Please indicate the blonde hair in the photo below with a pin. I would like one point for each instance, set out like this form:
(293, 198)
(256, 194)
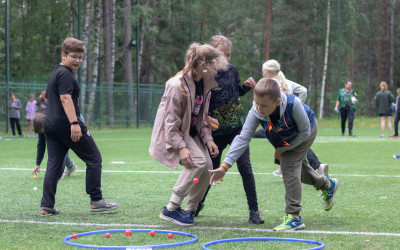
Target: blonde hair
(196, 54)
(218, 40)
(267, 87)
(383, 86)
(274, 68)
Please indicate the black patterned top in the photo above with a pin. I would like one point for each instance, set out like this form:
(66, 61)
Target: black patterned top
(225, 103)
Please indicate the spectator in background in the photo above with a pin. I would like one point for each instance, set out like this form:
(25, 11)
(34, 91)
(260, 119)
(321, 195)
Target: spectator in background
(383, 101)
(30, 109)
(397, 117)
(346, 100)
(14, 109)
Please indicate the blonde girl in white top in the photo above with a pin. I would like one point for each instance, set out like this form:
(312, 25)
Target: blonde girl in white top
(272, 69)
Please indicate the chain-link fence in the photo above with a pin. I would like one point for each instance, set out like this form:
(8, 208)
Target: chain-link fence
(145, 102)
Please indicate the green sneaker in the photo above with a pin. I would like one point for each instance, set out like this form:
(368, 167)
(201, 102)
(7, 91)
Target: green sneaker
(290, 223)
(329, 195)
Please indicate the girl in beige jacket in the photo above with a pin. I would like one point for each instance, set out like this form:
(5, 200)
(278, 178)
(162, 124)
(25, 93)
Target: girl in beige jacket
(181, 134)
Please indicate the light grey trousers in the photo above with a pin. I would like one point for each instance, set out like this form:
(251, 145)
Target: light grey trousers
(185, 186)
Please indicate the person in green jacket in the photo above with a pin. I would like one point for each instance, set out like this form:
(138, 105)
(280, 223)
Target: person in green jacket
(346, 100)
(383, 101)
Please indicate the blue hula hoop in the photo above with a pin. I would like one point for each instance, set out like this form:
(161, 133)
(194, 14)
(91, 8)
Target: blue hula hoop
(321, 245)
(195, 238)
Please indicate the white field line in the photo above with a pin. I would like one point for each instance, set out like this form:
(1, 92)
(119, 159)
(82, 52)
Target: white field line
(178, 172)
(320, 139)
(197, 227)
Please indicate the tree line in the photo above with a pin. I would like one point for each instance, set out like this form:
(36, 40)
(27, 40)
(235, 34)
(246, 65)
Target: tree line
(320, 43)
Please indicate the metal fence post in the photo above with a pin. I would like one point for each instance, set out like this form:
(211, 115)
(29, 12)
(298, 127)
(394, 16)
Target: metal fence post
(100, 94)
(7, 60)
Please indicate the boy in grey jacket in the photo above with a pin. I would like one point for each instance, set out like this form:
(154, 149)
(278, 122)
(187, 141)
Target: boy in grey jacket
(291, 127)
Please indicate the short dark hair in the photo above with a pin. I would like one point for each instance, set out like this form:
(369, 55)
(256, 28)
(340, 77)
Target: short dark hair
(268, 87)
(72, 45)
(38, 123)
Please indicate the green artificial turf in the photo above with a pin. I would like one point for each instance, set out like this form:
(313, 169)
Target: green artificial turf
(365, 215)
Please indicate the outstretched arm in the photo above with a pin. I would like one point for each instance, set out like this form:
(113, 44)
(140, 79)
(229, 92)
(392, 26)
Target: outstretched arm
(238, 146)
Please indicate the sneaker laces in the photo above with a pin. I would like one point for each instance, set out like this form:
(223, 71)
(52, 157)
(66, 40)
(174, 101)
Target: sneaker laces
(257, 213)
(179, 209)
(184, 213)
(286, 219)
(325, 195)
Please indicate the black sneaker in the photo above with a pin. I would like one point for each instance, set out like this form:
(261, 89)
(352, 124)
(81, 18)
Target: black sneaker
(199, 208)
(177, 216)
(255, 218)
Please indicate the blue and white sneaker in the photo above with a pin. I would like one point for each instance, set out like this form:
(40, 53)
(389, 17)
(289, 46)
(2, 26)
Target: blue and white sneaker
(290, 223)
(177, 216)
(329, 195)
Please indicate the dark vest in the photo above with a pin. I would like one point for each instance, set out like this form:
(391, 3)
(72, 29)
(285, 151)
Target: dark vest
(286, 129)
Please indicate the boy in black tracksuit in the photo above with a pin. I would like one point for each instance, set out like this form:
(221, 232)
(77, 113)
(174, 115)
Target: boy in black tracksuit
(63, 131)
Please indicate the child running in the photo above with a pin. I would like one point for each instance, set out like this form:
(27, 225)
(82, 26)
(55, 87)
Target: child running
(291, 128)
(226, 111)
(180, 132)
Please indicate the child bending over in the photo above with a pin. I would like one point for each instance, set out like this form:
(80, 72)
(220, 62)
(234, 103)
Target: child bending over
(291, 128)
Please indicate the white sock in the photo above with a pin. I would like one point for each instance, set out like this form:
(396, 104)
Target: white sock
(171, 207)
